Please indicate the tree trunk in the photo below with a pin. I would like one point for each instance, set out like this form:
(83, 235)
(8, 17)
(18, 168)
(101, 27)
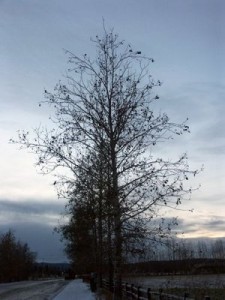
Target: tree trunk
(117, 228)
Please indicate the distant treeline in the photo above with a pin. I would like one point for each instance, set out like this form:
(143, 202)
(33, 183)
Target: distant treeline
(16, 259)
(165, 267)
(186, 266)
(45, 269)
(18, 262)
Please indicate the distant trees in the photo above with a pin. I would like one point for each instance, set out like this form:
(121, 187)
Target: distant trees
(218, 249)
(16, 259)
(105, 135)
(186, 249)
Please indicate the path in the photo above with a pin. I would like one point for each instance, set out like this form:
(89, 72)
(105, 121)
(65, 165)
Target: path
(76, 290)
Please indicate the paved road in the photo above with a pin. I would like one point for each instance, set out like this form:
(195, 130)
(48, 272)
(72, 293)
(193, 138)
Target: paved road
(31, 290)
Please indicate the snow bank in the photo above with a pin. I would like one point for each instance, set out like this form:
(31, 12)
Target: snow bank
(76, 290)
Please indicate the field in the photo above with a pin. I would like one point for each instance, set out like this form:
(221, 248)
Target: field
(197, 286)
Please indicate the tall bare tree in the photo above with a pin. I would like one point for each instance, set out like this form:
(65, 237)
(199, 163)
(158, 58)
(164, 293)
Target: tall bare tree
(105, 105)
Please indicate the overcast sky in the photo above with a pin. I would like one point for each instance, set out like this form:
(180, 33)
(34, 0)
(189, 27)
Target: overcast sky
(187, 41)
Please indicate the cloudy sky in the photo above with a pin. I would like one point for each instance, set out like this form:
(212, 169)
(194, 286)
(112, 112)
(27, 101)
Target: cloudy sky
(187, 41)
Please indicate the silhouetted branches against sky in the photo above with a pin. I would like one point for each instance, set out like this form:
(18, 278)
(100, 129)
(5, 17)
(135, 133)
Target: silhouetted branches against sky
(105, 107)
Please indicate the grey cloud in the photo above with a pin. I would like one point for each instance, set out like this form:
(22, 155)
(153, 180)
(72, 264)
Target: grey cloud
(193, 225)
(31, 212)
(195, 100)
(202, 103)
(214, 150)
(219, 198)
(33, 222)
(216, 224)
(40, 238)
(31, 207)
(186, 227)
(213, 223)
(212, 132)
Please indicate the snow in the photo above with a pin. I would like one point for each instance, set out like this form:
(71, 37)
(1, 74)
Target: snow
(181, 281)
(76, 290)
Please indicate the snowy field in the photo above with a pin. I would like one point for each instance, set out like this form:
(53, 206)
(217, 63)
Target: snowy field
(46, 290)
(180, 281)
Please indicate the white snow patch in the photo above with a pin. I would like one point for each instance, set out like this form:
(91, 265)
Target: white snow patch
(76, 290)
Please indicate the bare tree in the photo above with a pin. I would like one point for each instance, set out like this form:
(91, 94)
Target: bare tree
(218, 249)
(202, 249)
(105, 105)
(90, 193)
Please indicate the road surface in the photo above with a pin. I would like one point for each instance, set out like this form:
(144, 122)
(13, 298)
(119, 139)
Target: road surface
(32, 290)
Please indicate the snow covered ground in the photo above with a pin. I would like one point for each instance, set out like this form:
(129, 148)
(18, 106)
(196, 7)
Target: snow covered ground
(181, 281)
(46, 290)
(76, 290)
